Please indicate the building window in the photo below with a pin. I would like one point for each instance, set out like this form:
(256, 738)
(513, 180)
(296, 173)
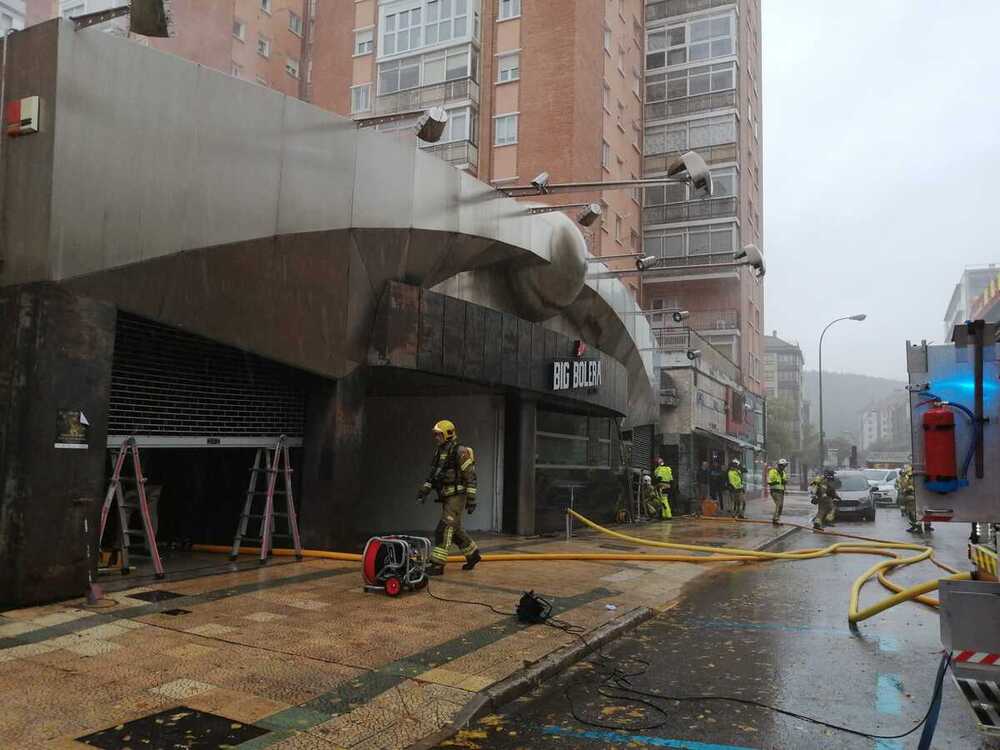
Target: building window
(618, 228)
(724, 185)
(292, 67)
(509, 9)
(607, 40)
(74, 10)
(637, 82)
(401, 31)
(263, 46)
(712, 131)
(361, 98)
(506, 130)
(261, 79)
(636, 135)
(364, 42)
(697, 40)
(679, 84)
(240, 30)
(294, 23)
(678, 243)
(605, 155)
(508, 68)
(426, 70)
(265, 5)
(606, 98)
(621, 61)
(236, 70)
(446, 20)
(460, 127)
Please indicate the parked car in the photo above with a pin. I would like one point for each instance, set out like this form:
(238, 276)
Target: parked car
(856, 498)
(883, 483)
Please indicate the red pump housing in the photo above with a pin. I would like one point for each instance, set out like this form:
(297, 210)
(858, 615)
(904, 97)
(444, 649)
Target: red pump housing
(939, 444)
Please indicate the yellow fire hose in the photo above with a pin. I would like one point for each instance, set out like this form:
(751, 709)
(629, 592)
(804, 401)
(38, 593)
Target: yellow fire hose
(865, 546)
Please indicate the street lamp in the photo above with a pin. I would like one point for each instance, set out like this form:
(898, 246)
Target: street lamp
(822, 446)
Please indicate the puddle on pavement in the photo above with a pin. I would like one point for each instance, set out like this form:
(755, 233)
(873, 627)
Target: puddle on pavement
(178, 727)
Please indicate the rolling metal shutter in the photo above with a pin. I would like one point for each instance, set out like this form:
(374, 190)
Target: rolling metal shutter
(171, 388)
(642, 447)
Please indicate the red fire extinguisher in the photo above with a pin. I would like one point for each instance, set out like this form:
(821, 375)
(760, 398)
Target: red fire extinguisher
(939, 444)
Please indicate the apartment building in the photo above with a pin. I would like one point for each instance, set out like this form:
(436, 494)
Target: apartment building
(263, 41)
(703, 92)
(529, 87)
(783, 363)
(976, 295)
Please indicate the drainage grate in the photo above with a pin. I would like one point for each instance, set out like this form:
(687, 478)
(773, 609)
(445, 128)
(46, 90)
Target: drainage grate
(155, 596)
(179, 727)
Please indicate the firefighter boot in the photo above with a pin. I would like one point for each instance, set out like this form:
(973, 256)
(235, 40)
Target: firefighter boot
(472, 560)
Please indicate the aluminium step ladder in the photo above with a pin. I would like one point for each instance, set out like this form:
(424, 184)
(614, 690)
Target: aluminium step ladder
(129, 449)
(269, 462)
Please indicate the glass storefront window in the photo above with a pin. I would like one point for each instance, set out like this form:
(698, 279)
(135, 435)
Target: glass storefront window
(561, 423)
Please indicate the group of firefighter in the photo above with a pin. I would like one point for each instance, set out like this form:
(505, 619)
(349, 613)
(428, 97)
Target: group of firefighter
(453, 478)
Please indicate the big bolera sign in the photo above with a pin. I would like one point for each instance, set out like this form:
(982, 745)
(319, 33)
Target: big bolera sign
(580, 373)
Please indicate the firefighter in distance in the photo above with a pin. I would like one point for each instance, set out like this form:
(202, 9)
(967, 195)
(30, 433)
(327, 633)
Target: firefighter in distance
(777, 479)
(453, 478)
(824, 489)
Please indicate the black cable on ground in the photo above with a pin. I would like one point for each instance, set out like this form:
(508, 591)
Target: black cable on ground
(618, 679)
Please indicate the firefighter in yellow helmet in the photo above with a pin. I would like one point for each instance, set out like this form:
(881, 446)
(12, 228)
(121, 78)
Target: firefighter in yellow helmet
(453, 477)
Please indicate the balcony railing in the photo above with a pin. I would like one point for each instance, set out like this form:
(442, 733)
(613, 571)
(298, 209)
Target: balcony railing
(458, 154)
(714, 320)
(417, 100)
(690, 105)
(678, 341)
(711, 154)
(710, 208)
(676, 266)
(666, 8)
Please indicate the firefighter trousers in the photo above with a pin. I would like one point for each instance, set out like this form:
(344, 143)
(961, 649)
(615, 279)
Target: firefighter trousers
(449, 530)
(779, 502)
(826, 512)
(737, 503)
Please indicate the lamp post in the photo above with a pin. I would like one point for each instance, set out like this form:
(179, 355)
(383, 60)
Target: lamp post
(822, 446)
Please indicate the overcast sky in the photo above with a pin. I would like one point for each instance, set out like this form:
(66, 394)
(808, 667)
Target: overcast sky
(881, 169)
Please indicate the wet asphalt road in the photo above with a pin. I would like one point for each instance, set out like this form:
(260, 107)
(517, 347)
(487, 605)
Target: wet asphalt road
(775, 633)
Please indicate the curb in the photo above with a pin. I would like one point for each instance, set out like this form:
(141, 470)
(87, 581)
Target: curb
(525, 680)
(775, 540)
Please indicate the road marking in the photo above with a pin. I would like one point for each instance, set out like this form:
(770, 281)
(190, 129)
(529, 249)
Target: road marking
(638, 739)
(888, 692)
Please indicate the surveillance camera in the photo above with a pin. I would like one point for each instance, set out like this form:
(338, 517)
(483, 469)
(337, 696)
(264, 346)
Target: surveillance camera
(589, 215)
(430, 126)
(693, 354)
(680, 315)
(752, 256)
(646, 262)
(699, 176)
(541, 183)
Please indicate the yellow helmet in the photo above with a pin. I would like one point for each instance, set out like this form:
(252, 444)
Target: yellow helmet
(446, 428)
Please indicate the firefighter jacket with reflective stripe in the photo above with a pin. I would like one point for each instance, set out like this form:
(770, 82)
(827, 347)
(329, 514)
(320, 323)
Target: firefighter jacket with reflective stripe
(453, 471)
(663, 474)
(905, 484)
(735, 479)
(777, 479)
(823, 488)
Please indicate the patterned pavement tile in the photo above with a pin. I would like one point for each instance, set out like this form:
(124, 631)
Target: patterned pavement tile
(212, 630)
(104, 632)
(342, 731)
(9, 628)
(265, 617)
(191, 651)
(58, 618)
(181, 689)
(29, 649)
(93, 647)
(242, 707)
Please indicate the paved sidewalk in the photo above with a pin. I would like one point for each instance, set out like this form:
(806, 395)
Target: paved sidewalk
(294, 655)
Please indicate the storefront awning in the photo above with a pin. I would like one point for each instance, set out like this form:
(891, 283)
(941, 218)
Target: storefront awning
(728, 438)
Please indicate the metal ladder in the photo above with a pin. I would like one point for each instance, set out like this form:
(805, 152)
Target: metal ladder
(274, 462)
(131, 450)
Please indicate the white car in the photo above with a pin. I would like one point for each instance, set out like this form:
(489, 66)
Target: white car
(883, 484)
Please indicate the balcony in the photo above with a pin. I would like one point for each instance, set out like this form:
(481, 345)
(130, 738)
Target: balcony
(674, 345)
(674, 269)
(418, 100)
(657, 11)
(709, 321)
(696, 210)
(690, 105)
(458, 154)
(658, 163)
